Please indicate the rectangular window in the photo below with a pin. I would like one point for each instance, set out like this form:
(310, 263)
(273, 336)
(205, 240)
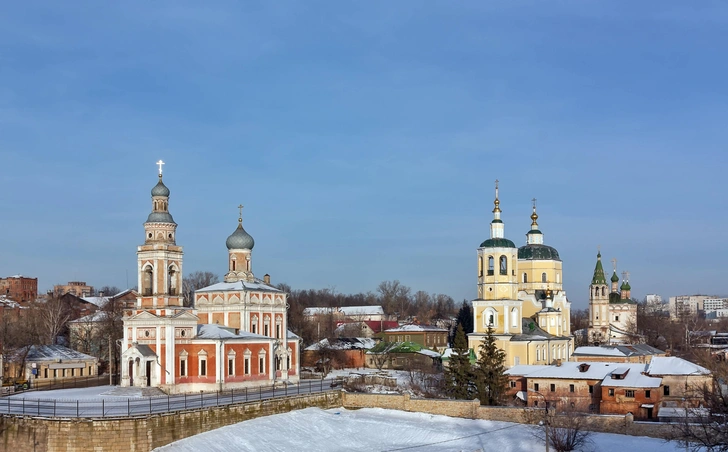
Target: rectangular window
(261, 365)
(552, 387)
(666, 390)
(647, 394)
(247, 366)
(535, 386)
(278, 331)
(182, 367)
(591, 389)
(611, 391)
(203, 367)
(45, 373)
(629, 393)
(571, 388)
(265, 330)
(231, 367)
(81, 369)
(254, 328)
(513, 384)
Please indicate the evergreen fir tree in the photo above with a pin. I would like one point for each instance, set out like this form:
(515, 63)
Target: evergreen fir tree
(458, 375)
(490, 379)
(464, 318)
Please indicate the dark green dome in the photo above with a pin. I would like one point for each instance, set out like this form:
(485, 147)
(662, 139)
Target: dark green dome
(498, 243)
(160, 189)
(535, 252)
(615, 278)
(160, 217)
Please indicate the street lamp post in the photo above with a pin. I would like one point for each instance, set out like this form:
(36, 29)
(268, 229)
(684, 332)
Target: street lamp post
(545, 421)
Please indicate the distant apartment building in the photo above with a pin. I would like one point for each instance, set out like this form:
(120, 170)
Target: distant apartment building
(77, 288)
(687, 305)
(19, 288)
(714, 304)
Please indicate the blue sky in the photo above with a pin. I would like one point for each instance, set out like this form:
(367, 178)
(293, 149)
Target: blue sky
(364, 138)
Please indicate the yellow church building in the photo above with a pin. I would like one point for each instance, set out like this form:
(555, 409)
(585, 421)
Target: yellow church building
(521, 297)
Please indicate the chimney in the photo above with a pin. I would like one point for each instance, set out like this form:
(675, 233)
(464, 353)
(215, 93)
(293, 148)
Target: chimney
(558, 363)
(266, 278)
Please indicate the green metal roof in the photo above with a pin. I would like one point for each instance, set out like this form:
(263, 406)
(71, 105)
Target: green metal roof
(534, 231)
(538, 252)
(599, 277)
(498, 243)
(615, 278)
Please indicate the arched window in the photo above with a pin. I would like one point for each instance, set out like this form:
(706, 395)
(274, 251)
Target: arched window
(503, 265)
(480, 266)
(525, 277)
(558, 278)
(147, 281)
(491, 266)
(514, 317)
(604, 291)
(543, 277)
(490, 318)
(172, 280)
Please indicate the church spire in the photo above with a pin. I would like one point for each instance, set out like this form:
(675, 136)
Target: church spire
(534, 236)
(496, 226)
(599, 277)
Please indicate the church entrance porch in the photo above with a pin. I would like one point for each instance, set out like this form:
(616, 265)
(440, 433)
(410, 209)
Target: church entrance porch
(139, 370)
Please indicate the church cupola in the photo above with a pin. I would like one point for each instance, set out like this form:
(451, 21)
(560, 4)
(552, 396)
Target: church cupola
(534, 236)
(625, 289)
(160, 226)
(496, 226)
(240, 248)
(599, 277)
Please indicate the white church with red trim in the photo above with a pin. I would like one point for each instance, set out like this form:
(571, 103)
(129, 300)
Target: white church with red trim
(236, 334)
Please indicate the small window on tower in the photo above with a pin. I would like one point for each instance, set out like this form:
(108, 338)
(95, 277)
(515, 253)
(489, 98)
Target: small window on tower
(503, 265)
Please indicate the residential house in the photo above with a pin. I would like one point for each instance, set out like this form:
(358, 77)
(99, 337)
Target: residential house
(44, 363)
(403, 356)
(350, 352)
(628, 389)
(425, 335)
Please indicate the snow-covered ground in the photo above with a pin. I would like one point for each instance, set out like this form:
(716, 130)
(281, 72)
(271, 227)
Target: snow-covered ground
(376, 429)
(93, 393)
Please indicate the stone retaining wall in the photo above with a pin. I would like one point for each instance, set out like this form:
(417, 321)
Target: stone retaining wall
(143, 434)
(471, 409)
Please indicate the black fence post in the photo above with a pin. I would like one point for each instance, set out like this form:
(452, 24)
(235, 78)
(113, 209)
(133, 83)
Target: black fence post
(103, 411)
(128, 407)
(150, 405)
(54, 408)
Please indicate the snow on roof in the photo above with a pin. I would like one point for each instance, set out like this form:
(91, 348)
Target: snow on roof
(416, 328)
(672, 365)
(98, 301)
(632, 377)
(572, 370)
(8, 303)
(239, 285)
(209, 331)
(344, 343)
(51, 352)
(524, 369)
(345, 310)
(290, 335)
(430, 353)
(598, 351)
(98, 316)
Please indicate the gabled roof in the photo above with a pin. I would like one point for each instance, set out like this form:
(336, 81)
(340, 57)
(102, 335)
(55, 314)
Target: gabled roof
(217, 332)
(236, 286)
(672, 365)
(380, 325)
(291, 336)
(624, 350)
(52, 352)
(344, 343)
(568, 370)
(97, 301)
(403, 347)
(416, 329)
(345, 310)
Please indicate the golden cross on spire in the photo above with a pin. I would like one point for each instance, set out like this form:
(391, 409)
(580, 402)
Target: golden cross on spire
(160, 163)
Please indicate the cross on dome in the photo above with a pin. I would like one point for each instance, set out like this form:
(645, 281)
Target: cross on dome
(240, 218)
(160, 163)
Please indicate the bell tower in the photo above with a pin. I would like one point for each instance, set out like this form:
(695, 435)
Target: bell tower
(159, 259)
(598, 305)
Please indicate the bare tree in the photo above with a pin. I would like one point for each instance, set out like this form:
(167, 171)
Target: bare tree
(379, 354)
(564, 432)
(51, 318)
(108, 291)
(395, 297)
(196, 280)
(329, 357)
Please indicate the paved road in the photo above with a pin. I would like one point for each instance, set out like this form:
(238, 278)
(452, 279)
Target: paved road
(139, 406)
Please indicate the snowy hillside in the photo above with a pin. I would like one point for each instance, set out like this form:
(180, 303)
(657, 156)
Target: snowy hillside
(375, 429)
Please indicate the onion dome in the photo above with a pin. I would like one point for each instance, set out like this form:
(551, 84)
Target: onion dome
(240, 240)
(615, 278)
(160, 189)
(625, 286)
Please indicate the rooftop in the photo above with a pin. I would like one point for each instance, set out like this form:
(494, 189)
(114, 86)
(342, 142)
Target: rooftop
(257, 285)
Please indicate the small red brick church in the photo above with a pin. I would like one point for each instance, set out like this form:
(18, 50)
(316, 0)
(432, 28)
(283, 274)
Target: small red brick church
(236, 334)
